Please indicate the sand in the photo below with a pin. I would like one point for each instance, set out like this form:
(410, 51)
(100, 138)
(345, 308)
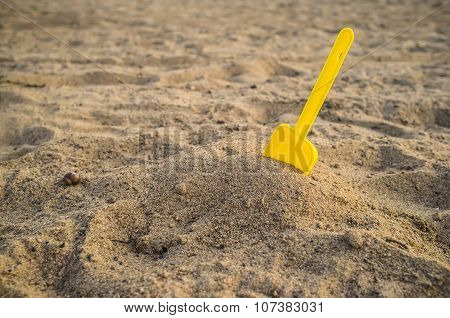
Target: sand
(175, 199)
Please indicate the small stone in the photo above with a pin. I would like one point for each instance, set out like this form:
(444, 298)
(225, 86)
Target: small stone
(183, 239)
(253, 86)
(181, 188)
(110, 200)
(219, 246)
(71, 178)
(263, 201)
(359, 162)
(335, 165)
(353, 239)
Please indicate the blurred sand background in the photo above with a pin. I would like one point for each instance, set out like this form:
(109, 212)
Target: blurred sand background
(175, 198)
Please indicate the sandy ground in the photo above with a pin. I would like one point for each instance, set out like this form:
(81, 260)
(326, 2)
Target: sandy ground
(175, 198)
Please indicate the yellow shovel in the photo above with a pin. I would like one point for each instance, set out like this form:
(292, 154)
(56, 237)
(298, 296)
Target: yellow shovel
(289, 144)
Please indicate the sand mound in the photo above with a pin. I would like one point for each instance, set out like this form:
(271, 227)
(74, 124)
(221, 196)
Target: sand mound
(175, 198)
(233, 225)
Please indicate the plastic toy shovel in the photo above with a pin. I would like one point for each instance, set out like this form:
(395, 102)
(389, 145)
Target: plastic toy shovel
(289, 144)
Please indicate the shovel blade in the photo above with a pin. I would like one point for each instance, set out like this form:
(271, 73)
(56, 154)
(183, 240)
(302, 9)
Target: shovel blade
(285, 145)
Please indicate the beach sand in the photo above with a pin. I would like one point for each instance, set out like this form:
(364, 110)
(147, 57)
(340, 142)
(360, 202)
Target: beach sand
(175, 199)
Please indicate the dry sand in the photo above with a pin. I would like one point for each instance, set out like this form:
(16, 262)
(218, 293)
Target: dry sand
(175, 198)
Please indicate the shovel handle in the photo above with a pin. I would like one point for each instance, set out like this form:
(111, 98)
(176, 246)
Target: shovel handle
(326, 79)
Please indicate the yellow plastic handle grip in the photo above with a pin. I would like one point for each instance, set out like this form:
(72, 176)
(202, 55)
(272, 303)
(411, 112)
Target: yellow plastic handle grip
(326, 79)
